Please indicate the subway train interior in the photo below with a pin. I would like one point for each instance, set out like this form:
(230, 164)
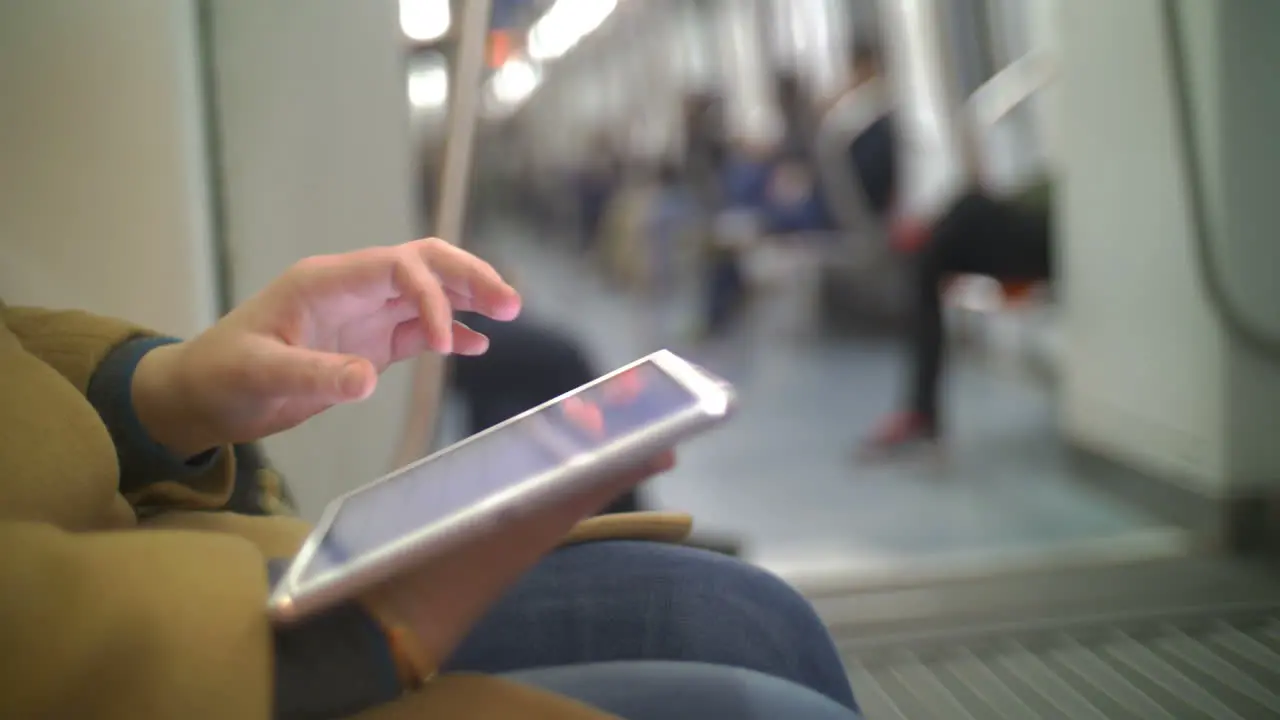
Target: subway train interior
(993, 281)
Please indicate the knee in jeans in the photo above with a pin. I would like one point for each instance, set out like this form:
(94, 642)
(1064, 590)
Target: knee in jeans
(742, 587)
(704, 606)
(635, 600)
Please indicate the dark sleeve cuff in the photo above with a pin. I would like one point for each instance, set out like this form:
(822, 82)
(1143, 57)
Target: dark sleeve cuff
(143, 461)
(333, 665)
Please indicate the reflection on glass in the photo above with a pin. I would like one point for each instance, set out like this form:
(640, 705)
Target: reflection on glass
(578, 426)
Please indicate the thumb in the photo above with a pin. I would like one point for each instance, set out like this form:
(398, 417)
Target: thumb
(288, 371)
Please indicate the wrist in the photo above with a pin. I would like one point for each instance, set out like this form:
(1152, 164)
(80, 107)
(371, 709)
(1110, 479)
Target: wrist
(335, 664)
(412, 668)
(164, 404)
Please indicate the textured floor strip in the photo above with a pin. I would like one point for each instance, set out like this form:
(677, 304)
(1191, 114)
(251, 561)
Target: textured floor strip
(1211, 667)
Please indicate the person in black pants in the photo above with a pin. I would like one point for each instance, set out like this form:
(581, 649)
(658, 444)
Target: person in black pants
(1007, 239)
(527, 364)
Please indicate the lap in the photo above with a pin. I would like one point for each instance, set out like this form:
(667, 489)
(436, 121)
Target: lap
(624, 601)
(684, 691)
(615, 601)
(463, 697)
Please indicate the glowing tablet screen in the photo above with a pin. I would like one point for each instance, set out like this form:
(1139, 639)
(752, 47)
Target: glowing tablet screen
(581, 423)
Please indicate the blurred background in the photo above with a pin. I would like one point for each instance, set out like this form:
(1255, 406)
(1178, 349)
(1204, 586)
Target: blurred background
(793, 193)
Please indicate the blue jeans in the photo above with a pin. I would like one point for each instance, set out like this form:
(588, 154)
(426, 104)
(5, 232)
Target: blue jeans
(658, 690)
(624, 601)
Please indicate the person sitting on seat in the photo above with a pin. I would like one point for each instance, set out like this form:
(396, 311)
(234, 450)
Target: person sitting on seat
(128, 591)
(745, 181)
(793, 203)
(1008, 239)
(527, 364)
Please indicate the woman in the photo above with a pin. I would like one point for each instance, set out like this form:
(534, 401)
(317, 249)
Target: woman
(163, 617)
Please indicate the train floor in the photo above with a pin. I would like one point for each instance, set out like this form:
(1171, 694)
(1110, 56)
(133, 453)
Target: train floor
(782, 476)
(1183, 639)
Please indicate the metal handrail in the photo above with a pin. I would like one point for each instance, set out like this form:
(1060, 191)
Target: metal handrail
(451, 208)
(1008, 89)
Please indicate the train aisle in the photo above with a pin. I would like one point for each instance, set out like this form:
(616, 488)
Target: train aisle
(782, 475)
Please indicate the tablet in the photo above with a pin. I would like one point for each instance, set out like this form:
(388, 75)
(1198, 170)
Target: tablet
(465, 491)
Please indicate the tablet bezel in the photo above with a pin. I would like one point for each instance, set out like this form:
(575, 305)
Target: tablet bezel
(291, 600)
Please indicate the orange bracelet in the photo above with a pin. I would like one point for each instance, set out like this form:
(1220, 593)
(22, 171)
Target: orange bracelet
(404, 652)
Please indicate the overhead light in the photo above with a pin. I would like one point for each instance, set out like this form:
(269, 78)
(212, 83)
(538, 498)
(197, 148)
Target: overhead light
(514, 82)
(429, 87)
(425, 20)
(565, 25)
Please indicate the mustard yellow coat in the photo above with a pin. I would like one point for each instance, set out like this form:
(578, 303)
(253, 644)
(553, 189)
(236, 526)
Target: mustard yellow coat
(105, 617)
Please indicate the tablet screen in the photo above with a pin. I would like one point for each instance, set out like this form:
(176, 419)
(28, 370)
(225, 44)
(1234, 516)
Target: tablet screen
(583, 422)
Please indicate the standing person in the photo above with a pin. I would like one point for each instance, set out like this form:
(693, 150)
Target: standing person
(708, 166)
(705, 150)
(858, 148)
(859, 161)
(597, 184)
(1008, 239)
(796, 108)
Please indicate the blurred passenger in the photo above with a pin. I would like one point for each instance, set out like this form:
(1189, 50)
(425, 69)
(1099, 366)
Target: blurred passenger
(527, 364)
(705, 150)
(859, 161)
(707, 162)
(858, 150)
(793, 202)
(799, 121)
(1008, 239)
(748, 170)
(597, 184)
(745, 183)
(675, 217)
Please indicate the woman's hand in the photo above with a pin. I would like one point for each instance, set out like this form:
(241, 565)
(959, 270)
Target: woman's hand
(318, 336)
(439, 603)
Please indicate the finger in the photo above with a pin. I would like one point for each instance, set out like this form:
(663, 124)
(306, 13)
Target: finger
(293, 372)
(467, 341)
(651, 468)
(363, 275)
(465, 302)
(662, 463)
(626, 481)
(408, 340)
(472, 282)
(435, 313)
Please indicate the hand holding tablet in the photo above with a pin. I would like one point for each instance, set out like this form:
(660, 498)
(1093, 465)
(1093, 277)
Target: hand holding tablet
(436, 604)
(432, 545)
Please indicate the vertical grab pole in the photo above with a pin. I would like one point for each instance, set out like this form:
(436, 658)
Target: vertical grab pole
(960, 122)
(451, 209)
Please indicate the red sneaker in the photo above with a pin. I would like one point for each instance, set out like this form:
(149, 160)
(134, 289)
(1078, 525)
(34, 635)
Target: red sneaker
(898, 431)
